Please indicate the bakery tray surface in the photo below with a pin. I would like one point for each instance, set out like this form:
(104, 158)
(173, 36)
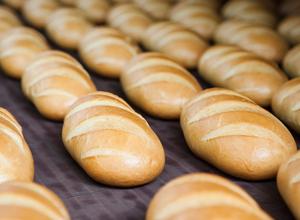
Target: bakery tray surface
(88, 200)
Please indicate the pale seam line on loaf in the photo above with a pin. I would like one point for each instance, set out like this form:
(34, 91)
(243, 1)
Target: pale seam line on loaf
(104, 122)
(58, 21)
(8, 199)
(177, 36)
(224, 107)
(296, 106)
(153, 62)
(17, 51)
(163, 29)
(221, 92)
(14, 136)
(243, 129)
(203, 200)
(102, 60)
(242, 34)
(12, 122)
(4, 161)
(295, 179)
(286, 92)
(98, 103)
(54, 92)
(106, 42)
(23, 37)
(4, 178)
(56, 72)
(168, 77)
(122, 19)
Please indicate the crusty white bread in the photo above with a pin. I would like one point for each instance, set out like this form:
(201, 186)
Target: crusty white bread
(18, 47)
(289, 28)
(244, 72)
(54, 81)
(236, 135)
(67, 26)
(30, 201)
(16, 161)
(286, 103)
(176, 41)
(203, 196)
(291, 62)
(198, 17)
(129, 19)
(259, 39)
(36, 12)
(111, 142)
(106, 51)
(288, 183)
(158, 85)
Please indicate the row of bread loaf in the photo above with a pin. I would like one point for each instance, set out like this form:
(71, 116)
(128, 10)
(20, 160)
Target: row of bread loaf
(96, 152)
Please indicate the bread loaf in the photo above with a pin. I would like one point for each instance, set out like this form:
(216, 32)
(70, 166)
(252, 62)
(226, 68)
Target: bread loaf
(203, 196)
(290, 29)
(15, 156)
(197, 17)
(16, 4)
(129, 19)
(288, 183)
(255, 38)
(66, 27)
(95, 10)
(36, 12)
(241, 71)
(54, 81)
(172, 39)
(158, 9)
(291, 62)
(158, 85)
(106, 51)
(286, 103)
(18, 47)
(8, 20)
(253, 11)
(111, 142)
(234, 134)
(30, 201)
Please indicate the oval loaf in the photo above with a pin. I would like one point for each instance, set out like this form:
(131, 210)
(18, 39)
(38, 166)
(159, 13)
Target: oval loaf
(259, 39)
(286, 103)
(203, 196)
(67, 26)
(158, 85)
(16, 159)
(106, 51)
(241, 71)
(36, 12)
(291, 62)
(54, 81)
(197, 17)
(288, 180)
(18, 47)
(129, 19)
(174, 40)
(30, 201)
(234, 134)
(111, 142)
(158, 9)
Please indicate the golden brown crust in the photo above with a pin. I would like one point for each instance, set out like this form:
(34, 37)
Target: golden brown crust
(111, 142)
(241, 71)
(106, 51)
(129, 19)
(214, 4)
(255, 38)
(16, 161)
(172, 39)
(158, 9)
(288, 183)
(95, 10)
(30, 201)
(18, 47)
(8, 20)
(289, 28)
(286, 103)
(67, 26)
(253, 11)
(197, 17)
(291, 62)
(226, 129)
(203, 196)
(158, 85)
(54, 81)
(36, 12)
